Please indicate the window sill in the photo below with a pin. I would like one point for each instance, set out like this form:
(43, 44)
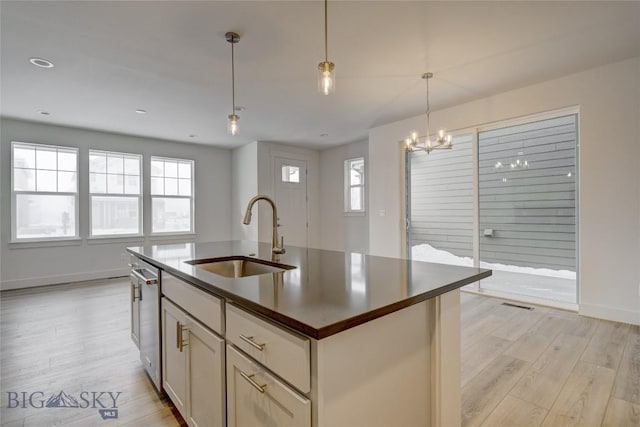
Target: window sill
(172, 236)
(105, 240)
(363, 213)
(28, 244)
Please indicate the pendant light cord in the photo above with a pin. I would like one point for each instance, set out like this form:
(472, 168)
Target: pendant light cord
(326, 55)
(233, 82)
(428, 112)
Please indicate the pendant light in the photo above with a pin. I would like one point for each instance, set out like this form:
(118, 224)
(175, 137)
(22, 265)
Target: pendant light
(443, 140)
(233, 118)
(326, 69)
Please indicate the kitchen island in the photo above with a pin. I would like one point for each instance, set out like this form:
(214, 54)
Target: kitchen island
(335, 338)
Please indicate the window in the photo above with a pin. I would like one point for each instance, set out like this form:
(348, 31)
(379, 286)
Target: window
(115, 192)
(354, 185)
(290, 174)
(44, 191)
(171, 195)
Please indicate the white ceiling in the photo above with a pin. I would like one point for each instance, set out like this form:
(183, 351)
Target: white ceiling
(171, 59)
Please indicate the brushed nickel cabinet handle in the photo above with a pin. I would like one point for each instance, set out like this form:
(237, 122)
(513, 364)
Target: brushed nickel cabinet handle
(178, 335)
(255, 385)
(133, 292)
(180, 344)
(252, 343)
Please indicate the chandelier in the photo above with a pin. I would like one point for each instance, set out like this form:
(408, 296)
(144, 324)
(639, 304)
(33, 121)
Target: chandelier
(443, 140)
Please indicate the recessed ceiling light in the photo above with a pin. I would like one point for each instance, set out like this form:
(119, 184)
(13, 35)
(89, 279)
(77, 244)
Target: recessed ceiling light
(140, 111)
(193, 135)
(42, 63)
(324, 135)
(44, 113)
(240, 108)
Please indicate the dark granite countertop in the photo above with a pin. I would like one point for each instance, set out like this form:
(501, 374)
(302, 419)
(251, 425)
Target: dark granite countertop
(328, 291)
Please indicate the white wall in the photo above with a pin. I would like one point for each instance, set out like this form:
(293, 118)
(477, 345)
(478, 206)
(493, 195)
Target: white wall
(25, 265)
(609, 179)
(245, 186)
(341, 231)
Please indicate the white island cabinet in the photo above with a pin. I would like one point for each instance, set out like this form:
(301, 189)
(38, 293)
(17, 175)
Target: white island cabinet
(256, 397)
(320, 344)
(193, 357)
(379, 373)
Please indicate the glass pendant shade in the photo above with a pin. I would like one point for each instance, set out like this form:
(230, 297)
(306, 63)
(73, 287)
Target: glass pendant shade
(326, 78)
(232, 124)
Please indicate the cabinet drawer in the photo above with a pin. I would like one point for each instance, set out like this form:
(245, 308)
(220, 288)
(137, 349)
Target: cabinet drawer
(285, 353)
(256, 398)
(199, 304)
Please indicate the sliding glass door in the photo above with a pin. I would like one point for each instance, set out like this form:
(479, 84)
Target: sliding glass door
(440, 204)
(527, 192)
(506, 202)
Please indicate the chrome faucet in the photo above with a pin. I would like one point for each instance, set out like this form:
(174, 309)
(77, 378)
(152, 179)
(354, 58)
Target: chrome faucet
(277, 248)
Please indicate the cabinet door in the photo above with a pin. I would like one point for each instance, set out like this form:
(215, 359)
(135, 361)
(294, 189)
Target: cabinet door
(174, 356)
(206, 377)
(135, 311)
(256, 398)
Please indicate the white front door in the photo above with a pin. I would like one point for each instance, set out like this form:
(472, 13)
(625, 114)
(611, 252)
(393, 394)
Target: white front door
(290, 185)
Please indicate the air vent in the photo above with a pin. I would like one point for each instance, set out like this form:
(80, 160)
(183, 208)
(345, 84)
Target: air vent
(524, 307)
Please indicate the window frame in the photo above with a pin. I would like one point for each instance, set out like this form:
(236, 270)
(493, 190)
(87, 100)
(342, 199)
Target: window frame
(348, 209)
(15, 193)
(139, 196)
(152, 196)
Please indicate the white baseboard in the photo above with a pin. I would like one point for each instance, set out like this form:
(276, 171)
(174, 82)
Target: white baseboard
(522, 299)
(589, 310)
(31, 282)
(610, 313)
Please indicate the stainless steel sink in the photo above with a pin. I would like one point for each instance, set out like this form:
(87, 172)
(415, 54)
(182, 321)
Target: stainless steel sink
(239, 266)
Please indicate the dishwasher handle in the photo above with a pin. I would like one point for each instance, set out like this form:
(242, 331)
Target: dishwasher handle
(152, 279)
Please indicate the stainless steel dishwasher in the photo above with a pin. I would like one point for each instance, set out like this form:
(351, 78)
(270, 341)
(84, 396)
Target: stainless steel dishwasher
(148, 278)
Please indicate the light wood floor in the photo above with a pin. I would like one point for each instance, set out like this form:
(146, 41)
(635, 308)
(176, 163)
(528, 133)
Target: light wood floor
(74, 338)
(542, 367)
(546, 367)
